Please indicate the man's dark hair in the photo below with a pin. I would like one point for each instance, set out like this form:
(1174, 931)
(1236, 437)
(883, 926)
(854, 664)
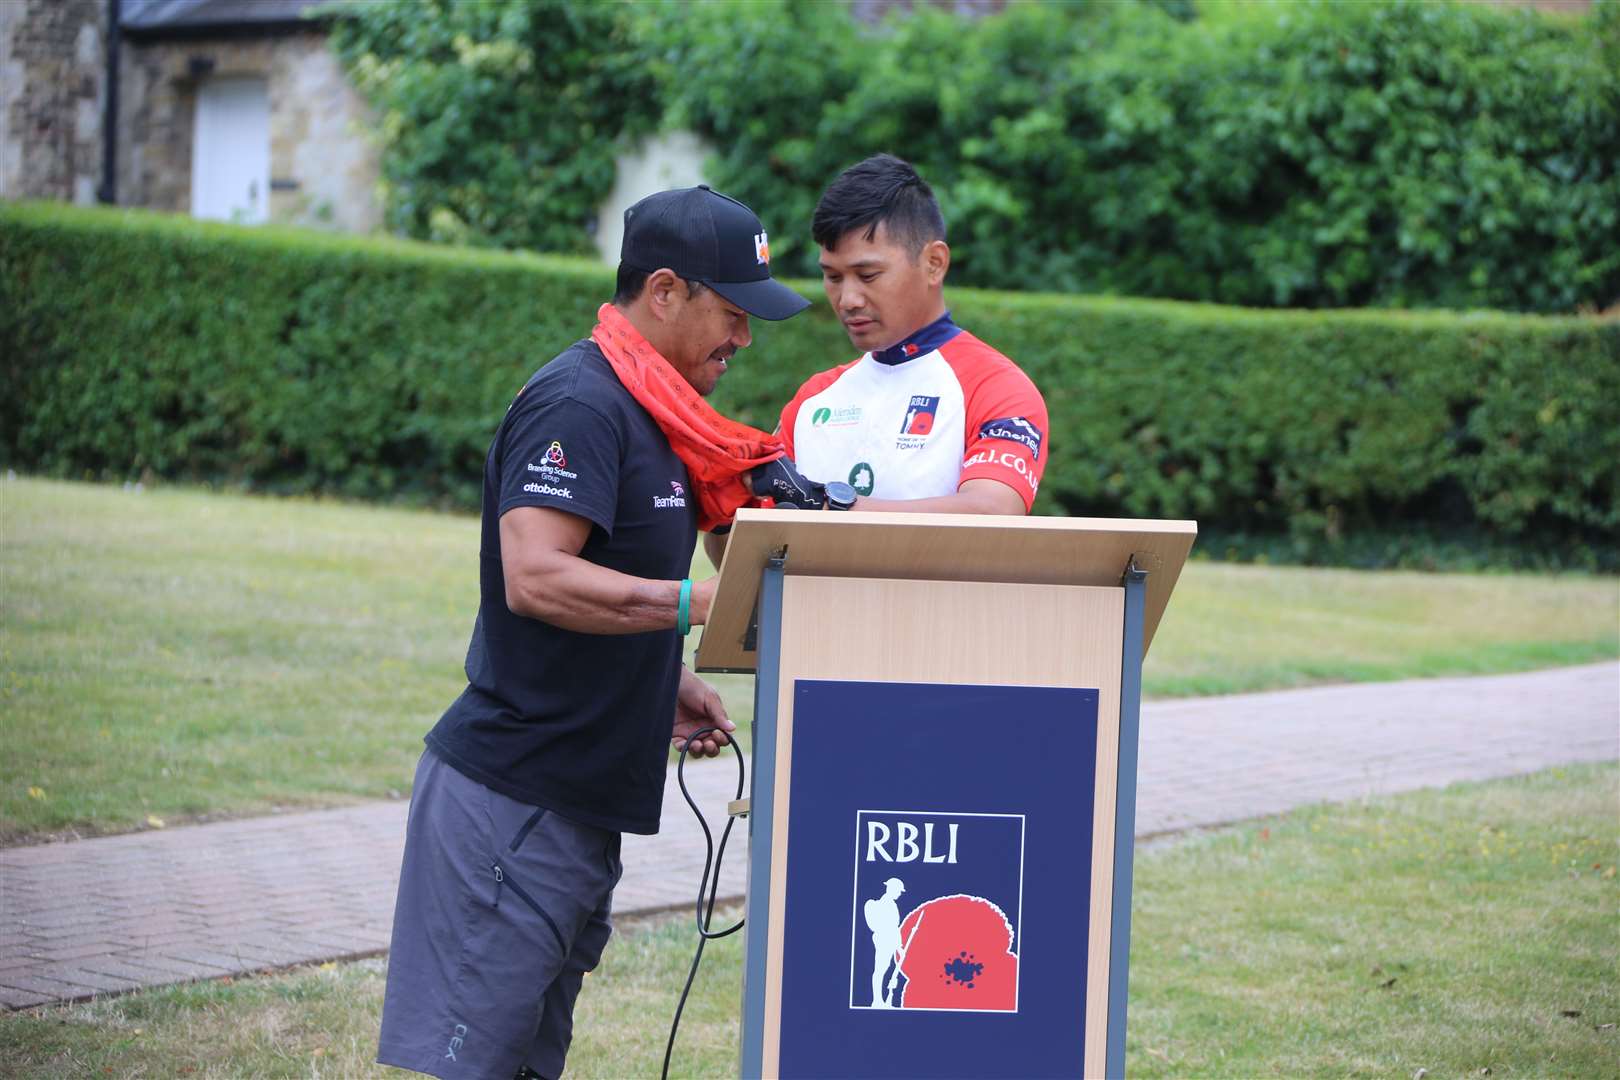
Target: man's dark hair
(631, 282)
(882, 190)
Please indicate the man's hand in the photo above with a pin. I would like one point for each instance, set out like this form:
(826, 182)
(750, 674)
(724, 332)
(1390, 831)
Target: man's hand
(782, 481)
(698, 706)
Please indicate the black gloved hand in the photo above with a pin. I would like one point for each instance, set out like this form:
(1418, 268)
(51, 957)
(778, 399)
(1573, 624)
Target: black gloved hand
(782, 481)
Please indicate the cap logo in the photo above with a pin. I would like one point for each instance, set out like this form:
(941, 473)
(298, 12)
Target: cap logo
(762, 250)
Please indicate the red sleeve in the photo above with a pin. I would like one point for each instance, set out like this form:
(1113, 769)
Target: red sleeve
(812, 386)
(1006, 428)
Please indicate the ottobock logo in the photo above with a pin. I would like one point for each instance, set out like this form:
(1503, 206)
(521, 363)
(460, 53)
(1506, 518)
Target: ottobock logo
(936, 913)
(548, 489)
(1015, 429)
(675, 501)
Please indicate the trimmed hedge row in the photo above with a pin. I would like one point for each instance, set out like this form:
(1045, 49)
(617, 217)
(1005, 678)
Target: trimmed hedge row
(133, 343)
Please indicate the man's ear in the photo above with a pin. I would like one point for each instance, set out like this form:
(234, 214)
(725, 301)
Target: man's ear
(665, 293)
(936, 260)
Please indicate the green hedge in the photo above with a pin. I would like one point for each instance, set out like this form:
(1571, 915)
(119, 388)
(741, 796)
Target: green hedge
(134, 343)
(498, 120)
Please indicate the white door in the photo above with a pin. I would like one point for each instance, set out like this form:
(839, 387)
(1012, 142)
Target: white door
(230, 153)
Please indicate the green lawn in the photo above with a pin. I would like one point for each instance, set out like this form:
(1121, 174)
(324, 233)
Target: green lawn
(173, 654)
(1473, 932)
(1231, 628)
(1458, 931)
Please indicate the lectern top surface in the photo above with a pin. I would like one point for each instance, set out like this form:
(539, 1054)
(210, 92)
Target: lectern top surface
(937, 547)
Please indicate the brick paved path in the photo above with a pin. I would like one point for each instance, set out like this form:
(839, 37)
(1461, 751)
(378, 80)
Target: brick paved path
(96, 916)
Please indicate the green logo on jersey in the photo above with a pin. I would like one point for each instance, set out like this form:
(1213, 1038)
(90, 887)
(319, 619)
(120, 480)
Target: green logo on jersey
(820, 416)
(861, 479)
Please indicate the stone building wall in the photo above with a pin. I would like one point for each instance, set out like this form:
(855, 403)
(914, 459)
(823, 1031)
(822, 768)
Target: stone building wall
(52, 90)
(323, 165)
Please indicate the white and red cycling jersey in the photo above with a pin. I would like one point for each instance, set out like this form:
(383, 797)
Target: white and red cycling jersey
(916, 420)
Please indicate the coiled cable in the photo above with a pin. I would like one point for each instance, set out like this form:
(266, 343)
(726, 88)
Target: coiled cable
(708, 889)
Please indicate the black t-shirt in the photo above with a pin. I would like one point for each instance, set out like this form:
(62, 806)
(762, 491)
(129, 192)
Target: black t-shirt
(577, 723)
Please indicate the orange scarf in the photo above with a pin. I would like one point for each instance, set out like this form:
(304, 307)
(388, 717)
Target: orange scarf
(717, 451)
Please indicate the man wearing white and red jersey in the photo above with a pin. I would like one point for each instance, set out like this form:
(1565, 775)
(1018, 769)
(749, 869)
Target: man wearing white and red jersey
(929, 418)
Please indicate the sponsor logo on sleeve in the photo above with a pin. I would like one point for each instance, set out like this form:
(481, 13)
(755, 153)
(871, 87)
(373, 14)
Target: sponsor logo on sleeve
(1007, 460)
(937, 907)
(553, 464)
(1014, 429)
(548, 489)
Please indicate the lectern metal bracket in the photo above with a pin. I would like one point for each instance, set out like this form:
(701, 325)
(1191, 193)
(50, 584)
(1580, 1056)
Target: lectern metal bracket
(776, 561)
(1134, 582)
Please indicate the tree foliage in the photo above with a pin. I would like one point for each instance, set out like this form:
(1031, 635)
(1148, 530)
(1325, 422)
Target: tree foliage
(1399, 153)
(1403, 153)
(500, 120)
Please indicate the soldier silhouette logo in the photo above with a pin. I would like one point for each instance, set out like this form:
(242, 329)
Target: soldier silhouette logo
(958, 948)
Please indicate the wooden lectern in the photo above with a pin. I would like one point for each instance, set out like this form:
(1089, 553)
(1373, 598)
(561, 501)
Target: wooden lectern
(944, 764)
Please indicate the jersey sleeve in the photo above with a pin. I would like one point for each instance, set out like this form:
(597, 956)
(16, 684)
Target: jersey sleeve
(812, 386)
(564, 455)
(1006, 429)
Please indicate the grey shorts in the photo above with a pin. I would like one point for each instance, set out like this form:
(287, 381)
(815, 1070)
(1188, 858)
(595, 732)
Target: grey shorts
(503, 907)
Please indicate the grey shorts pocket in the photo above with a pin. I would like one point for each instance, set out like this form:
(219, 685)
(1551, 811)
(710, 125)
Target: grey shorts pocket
(611, 860)
(528, 827)
(502, 878)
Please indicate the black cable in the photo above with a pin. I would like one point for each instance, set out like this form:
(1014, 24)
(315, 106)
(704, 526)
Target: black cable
(711, 860)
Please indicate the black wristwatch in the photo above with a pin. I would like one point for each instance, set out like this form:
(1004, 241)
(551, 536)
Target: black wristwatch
(840, 496)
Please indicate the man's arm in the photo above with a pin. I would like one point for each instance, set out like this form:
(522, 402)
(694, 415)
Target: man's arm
(980, 496)
(547, 580)
(782, 480)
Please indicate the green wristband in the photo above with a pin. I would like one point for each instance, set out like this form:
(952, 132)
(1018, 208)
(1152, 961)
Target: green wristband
(683, 614)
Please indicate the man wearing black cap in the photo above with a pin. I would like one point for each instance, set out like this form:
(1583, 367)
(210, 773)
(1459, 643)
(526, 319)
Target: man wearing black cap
(574, 672)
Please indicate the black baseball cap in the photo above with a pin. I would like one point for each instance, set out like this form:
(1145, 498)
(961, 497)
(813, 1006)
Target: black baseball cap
(705, 236)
